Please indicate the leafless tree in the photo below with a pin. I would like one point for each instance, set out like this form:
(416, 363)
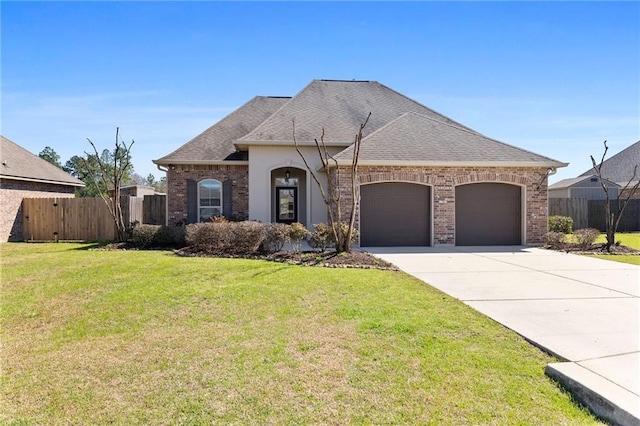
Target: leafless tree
(112, 176)
(614, 215)
(342, 231)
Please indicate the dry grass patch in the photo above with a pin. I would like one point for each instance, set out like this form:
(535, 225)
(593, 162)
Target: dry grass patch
(134, 337)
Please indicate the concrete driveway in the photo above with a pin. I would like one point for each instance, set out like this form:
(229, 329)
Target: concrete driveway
(584, 310)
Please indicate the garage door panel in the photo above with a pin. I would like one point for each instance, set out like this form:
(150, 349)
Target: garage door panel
(488, 214)
(395, 214)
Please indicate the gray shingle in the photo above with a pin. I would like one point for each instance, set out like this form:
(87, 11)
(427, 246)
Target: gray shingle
(18, 163)
(619, 168)
(216, 143)
(417, 138)
(340, 107)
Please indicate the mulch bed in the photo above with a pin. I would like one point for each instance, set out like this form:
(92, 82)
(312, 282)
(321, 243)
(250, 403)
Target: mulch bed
(595, 249)
(327, 259)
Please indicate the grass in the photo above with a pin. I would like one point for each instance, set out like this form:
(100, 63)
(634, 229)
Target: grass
(145, 337)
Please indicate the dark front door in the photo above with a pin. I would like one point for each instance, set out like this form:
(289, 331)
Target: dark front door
(286, 205)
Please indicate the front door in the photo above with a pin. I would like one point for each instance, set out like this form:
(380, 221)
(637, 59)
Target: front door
(286, 205)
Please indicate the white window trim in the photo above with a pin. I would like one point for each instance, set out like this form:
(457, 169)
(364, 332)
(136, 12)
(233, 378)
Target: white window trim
(199, 198)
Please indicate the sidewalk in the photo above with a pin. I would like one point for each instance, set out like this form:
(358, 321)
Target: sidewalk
(583, 310)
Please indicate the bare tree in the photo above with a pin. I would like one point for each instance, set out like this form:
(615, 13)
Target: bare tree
(111, 177)
(342, 232)
(613, 216)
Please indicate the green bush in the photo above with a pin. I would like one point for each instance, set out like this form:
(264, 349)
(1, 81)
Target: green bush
(555, 240)
(562, 224)
(142, 236)
(321, 237)
(157, 236)
(276, 235)
(296, 233)
(586, 237)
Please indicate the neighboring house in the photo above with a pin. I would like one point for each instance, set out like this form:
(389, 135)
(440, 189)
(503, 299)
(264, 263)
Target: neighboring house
(617, 173)
(24, 175)
(136, 191)
(423, 179)
(620, 168)
(587, 187)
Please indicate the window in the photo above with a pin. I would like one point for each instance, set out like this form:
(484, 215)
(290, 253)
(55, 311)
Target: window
(209, 199)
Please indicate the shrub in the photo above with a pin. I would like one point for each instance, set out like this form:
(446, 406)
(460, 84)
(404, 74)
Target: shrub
(321, 237)
(562, 224)
(555, 240)
(226, 237)
(276, 235)
(296, 233)
(148, 236)
(142, 236)
(586, 237)
(246, 237)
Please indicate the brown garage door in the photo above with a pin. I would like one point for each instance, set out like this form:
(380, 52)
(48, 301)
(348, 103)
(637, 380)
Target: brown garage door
(488, 214)
(395, 214)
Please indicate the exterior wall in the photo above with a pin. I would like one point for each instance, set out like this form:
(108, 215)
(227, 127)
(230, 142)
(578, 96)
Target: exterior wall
(264, 159)
(11, 194)
(443, 180)
(178, 175)
(635, 195)
(559, 193)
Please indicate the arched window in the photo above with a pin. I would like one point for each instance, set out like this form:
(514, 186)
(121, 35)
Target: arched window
(209, 199)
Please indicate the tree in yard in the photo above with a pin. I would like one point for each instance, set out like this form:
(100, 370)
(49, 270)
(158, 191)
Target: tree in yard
(331, 195)
(614, 210)
(50, 155)
(109, 171)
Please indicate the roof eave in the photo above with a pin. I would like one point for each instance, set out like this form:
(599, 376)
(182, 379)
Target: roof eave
(55, 182)
(163, 162)
(554, 164)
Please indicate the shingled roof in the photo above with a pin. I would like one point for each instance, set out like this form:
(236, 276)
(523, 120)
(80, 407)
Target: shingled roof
(216, 143)
(399, 129)
(20, 164)
(414, 138)
(339, 107)
(619, 168)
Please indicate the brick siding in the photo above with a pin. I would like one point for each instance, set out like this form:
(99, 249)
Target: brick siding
(177, 188)
(443, 181)
(11, 194)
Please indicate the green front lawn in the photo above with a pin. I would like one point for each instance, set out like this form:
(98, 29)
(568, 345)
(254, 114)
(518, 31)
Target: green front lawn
(629, 239)
(145, 337)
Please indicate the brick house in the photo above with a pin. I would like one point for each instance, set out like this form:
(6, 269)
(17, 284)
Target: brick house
(423, 179)
(24, 175)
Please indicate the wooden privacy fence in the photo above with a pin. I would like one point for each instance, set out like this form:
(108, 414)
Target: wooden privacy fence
(576, 208)
(591, 213)
(84, 219)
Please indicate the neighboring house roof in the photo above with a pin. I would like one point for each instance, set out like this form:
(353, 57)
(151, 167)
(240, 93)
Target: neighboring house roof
(566, 183)
(340, 107)
(619, 168)
(20, 164)
(216, 143)
(414, 138)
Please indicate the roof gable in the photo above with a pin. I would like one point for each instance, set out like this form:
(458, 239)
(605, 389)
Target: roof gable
(20, 164)
(567, 183)
(416, 138)
(619, 168)
(216, 143)
(340, 107)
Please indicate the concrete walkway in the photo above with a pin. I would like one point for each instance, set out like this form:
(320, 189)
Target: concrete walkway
(584, 310)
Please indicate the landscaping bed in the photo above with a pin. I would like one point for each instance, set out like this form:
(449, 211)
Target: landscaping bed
(331, 259)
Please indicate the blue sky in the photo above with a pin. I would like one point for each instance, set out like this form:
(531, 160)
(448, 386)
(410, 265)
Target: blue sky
(556, 78)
